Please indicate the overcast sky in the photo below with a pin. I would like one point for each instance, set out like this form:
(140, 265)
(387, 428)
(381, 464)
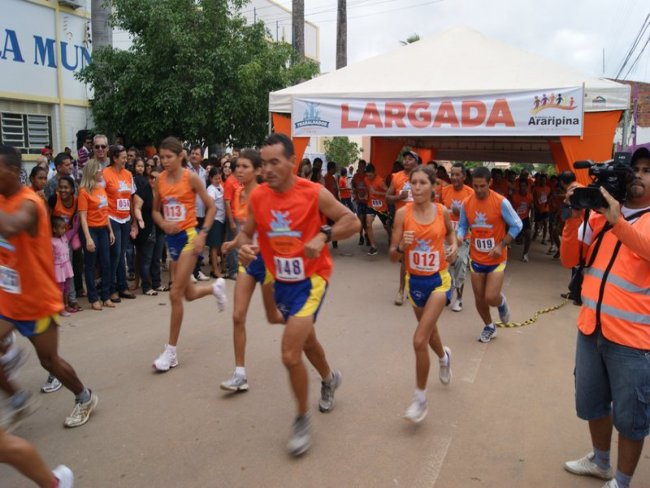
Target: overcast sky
(573, 32)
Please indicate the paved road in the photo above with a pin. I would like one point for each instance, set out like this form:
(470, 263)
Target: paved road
(507, 419)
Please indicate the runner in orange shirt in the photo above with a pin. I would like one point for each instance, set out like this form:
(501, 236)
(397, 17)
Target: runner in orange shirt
(494, 224)
(541, 197)
(522, 201)
(175, 193)
(399, 194)
(452, 198)
(288, 213)
(421, 230)
(345, 192)
(375, 206)
(30, 299)
(360, 197)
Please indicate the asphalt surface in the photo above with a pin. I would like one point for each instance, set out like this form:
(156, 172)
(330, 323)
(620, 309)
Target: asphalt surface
(506, 420)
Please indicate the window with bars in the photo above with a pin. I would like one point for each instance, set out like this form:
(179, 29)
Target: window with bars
(28, 133)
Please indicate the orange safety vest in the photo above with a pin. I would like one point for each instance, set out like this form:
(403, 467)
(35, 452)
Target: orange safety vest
(622, 306)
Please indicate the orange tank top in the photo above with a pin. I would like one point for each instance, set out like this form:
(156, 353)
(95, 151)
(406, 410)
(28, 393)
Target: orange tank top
(28, 288)
(426, 255)
(119, 188)
(401, 183)
(239, 205)
(285, 222)
(375, 201)
(178, 200)
(64, 212)
(487, 226)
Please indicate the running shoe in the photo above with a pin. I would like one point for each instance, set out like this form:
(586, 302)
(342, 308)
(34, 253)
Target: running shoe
(416, 411)
(21, 405)
(165, 361)
(64, 313)
(327, 389)
(399, 299)
(611, 484)
(201, 277)
(524, 258)
(81, 412)
(585, 466)
(51, 385)
(504, 311)
(488, 334)
(235, 383)
(551, 250)
(457, 306)
(193, 278)
(219, 292)
(300, 440)
(18, 357)
(361, 241)
(556, 255)
(373, 251)
(64, 476)
(445, 367)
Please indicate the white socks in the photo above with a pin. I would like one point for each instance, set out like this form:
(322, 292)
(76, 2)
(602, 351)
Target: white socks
(171, 349)
(240, 371)
(421, 395)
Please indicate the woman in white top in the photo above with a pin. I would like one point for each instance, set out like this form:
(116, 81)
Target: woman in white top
(217, 231)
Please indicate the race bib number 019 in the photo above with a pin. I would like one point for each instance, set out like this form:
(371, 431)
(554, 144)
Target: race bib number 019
(426, 262)
(289, 269)
(9, 280)
(123, 204)
(174, 212)
(484, 245)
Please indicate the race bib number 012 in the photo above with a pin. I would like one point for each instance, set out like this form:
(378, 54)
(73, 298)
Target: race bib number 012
(426, 262)
(9, 280)
(289, 269)
(484, 245)
(174, 212)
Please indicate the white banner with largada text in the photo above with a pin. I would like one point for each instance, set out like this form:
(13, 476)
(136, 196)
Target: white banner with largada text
(545, 112)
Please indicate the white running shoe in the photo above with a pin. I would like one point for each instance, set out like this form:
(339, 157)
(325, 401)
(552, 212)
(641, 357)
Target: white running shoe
(51, 385)
(300, 440)
(165, 361)
(524, 258)
(235, 383)
(487, 334)
(457, 306)
(399, 299)
(611, 484)
(445, 367)
(416, 411)
(586, 467)
(81, 412)
(219, 292)
(504, 310)
(193, 278)
(201, 277)
(64, 476)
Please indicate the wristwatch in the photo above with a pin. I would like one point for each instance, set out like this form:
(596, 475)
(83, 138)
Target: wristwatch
(327, 230)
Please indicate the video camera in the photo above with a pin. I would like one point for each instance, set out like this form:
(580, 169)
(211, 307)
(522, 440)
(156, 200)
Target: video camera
(613, 175)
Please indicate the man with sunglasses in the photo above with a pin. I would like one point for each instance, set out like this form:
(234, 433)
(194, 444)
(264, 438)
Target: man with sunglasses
(100, 147)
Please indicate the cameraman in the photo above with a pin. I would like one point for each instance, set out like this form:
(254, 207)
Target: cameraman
(612, 368)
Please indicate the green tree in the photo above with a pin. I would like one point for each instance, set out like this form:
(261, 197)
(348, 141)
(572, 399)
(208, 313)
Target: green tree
(341, 150)
(196, 70)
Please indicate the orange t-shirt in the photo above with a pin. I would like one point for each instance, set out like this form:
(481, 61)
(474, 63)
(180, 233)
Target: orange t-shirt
(239, 205)
(229, 187)
(344, 191)
(426, 255)
(28, 287)
(487, 226)
(285, 222)
(331, 185)
(67, 214)
(401, 183)
(522, 204)
(542, 195)
(375, 201)
(178, 200)
(453, 200)
(119, 188)
(502, 187)
(360, 189)
(95, 205)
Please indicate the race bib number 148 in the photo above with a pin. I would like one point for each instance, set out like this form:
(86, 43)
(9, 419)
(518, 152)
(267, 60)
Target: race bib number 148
(289, 269)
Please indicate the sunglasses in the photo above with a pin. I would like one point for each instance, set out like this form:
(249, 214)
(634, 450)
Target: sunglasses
(100, 146)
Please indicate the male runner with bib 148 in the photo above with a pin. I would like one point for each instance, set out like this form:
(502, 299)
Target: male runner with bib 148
(486, 214)
(288, 214)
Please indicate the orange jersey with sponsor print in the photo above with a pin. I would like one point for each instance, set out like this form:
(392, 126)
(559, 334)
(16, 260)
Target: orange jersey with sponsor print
(453, 200)
(95, 204)
(344, 191)
(285, 222)
(487, 226)
(359, 185)
(426, 254)
(119, 188)
(542, 195)
(64, 212)
(522, 204)
(178, 200)
(239, 205)
(28, 287)
(401, 183)
(376, 201)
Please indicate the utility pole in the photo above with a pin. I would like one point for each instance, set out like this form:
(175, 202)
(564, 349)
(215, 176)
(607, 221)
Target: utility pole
(298, 27)
(102, 32)
(342, 34)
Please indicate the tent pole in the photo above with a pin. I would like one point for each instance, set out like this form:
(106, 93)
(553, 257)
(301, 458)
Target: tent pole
(626, 116)
(270, 131)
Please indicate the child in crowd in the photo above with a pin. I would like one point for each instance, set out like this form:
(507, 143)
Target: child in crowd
(38, 180)
(62, 265)
(218, 230)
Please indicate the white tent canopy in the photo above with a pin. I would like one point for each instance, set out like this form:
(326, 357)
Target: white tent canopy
(458, 62)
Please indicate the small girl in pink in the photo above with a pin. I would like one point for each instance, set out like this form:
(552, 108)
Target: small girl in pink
(62, 265)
